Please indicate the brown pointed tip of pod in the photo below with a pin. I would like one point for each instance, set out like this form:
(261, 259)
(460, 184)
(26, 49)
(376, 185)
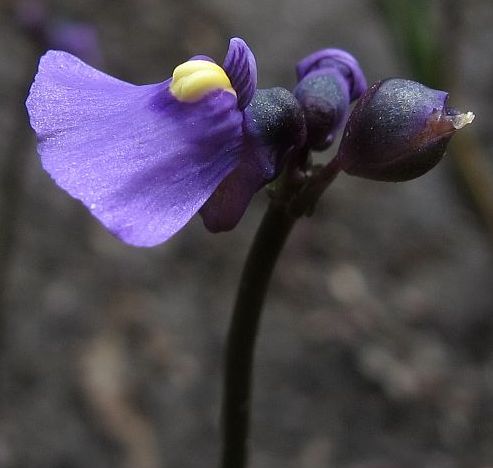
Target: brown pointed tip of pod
(461, 120)
(398, 131)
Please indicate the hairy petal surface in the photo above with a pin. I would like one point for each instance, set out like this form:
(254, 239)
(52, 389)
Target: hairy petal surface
(141, 161)
(241, 68)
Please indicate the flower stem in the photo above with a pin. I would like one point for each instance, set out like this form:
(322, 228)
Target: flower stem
(267, 245)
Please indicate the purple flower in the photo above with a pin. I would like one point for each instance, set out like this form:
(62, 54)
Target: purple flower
(328, 80)
(145, 159)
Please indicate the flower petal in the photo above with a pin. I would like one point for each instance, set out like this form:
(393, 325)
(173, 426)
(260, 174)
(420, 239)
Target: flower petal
(228, 203)
(141, 161)
(241, 68)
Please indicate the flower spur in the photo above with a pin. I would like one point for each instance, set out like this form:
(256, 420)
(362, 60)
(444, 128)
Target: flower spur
(145, 159)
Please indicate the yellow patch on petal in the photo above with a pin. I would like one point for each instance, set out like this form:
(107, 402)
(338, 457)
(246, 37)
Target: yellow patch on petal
(192, 80)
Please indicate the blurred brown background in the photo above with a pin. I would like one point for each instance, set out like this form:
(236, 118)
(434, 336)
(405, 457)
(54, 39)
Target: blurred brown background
(376, 348)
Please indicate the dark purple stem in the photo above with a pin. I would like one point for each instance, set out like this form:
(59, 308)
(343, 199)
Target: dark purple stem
(267, 245)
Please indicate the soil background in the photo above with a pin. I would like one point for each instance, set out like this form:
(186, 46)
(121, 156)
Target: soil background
(376, 346)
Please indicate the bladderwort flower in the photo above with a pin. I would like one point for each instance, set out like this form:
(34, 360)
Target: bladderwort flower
(145, 159)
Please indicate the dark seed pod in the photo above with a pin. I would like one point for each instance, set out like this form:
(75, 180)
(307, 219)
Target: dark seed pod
(398, 131)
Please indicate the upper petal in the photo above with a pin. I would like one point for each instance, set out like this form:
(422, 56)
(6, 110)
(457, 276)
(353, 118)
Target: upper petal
(141, 161)
(241, 68)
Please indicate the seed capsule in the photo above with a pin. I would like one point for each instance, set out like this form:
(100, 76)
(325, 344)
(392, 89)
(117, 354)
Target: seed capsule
(398, 131)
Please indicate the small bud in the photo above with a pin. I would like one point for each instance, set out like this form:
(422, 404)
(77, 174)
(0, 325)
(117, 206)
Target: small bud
(328, 81)
(275, 117)
(325, 101)
(398, 130)
(340, 60)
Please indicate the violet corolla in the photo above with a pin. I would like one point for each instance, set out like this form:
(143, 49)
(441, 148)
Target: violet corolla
(145, 159)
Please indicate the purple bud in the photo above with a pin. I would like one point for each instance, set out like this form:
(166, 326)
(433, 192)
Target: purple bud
(339, 60)
(328, 81)
(398, 131)
(325, 101)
